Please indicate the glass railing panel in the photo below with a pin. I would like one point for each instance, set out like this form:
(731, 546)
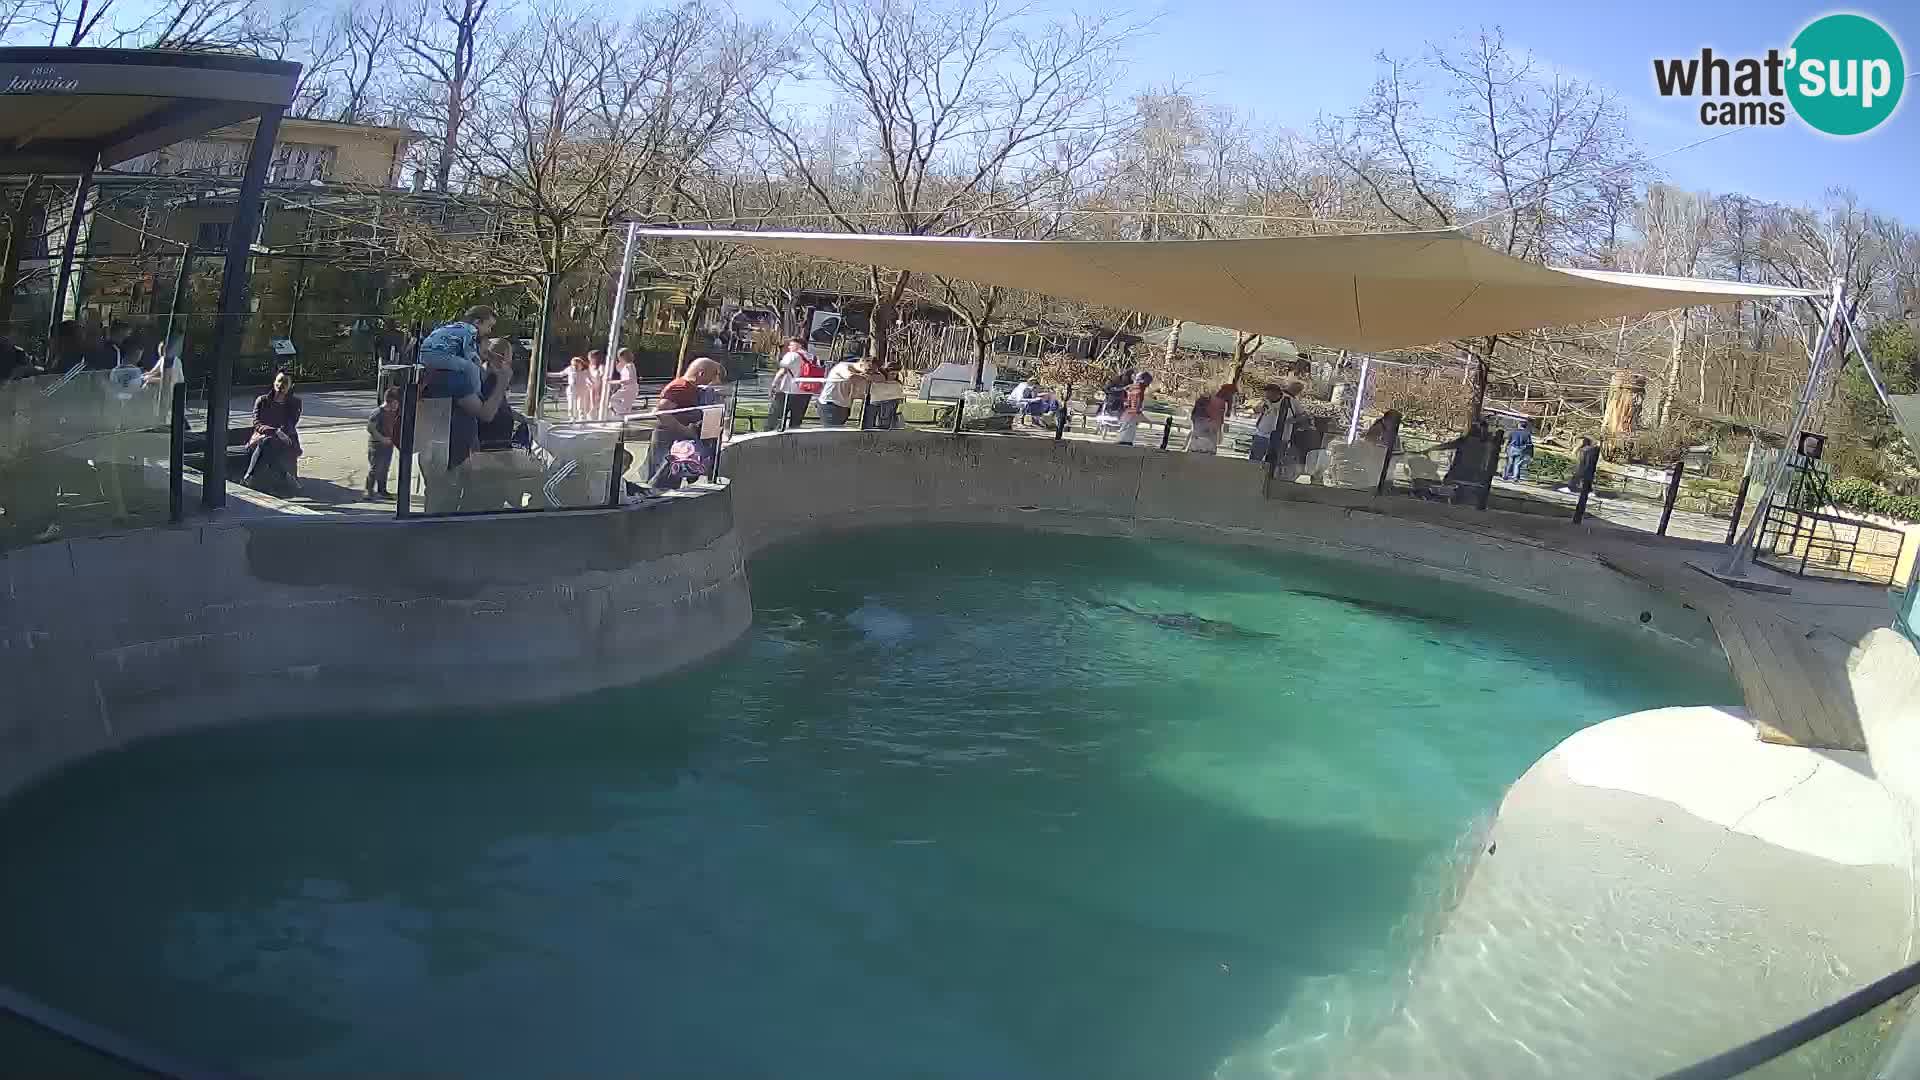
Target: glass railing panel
(83, 452)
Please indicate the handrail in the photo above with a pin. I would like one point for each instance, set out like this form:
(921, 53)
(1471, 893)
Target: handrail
(1802, 1031)
(98, 1040)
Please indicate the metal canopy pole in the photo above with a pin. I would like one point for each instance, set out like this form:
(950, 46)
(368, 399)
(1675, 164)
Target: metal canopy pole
(619, 314)
(179, 293)
(1737, 558)
(80, 191)
(230, 320)
(1359, 398)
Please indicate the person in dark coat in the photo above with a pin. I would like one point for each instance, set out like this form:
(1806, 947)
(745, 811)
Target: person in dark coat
(274, 447)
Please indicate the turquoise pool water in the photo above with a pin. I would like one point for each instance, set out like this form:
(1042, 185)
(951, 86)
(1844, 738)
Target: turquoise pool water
(966, 803)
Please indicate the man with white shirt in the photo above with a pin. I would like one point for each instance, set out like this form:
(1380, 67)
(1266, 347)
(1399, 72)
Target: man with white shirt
(1023, 394)
(1267, 420)
(845, 384)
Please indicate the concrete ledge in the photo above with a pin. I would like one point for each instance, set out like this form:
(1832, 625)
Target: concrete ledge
(789, 486)
(1659, 888)
(112, 639)
(1632, 873)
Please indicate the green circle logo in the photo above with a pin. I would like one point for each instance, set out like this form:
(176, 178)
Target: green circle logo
(1845, 75)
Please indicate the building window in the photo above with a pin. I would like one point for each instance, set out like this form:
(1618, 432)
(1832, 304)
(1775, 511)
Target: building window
(212, 235)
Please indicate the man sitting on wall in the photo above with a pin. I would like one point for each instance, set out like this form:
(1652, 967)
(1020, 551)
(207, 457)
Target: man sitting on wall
(446, 453)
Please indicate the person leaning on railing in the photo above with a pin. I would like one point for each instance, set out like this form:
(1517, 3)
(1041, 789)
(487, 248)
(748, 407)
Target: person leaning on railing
(678, 452)
(846, 384)
(445, 477)
(885, 392)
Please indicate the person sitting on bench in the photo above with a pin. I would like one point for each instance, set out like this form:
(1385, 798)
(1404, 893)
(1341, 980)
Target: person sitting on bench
(273, 450)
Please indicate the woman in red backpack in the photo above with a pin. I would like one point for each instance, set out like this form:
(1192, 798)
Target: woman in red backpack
(800, 377)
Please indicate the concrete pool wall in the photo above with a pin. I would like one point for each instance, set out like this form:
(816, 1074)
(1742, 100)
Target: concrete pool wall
(106, 640)
(795, 485)
(110, 639)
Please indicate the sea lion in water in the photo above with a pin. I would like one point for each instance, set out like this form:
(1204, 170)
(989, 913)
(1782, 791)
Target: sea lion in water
(1188, 623)
(1381, 607)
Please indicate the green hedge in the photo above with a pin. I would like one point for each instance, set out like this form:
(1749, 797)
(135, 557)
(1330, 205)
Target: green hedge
(1868, 497)
(1550, 468)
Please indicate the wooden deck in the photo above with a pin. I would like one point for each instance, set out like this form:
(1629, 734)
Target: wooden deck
(1793, 676)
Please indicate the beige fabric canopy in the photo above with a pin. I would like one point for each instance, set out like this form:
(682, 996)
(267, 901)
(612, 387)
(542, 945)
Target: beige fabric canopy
(1357, 291)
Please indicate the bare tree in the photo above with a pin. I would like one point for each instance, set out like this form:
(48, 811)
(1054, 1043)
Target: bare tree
(447, 58)
(346, 57)
(73, 23)
(20, 205)
(17, 17)
(587, 124)
(778, 280)
(1522, 158)
(724, 192)
(951, 107)
(1674, 225)
(370, 32)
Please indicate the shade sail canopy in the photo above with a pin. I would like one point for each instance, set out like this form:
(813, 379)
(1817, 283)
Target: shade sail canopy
(63, 109)
(1356, 291)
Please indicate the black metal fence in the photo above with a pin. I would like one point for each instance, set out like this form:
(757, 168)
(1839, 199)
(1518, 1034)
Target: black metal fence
(1809, 544)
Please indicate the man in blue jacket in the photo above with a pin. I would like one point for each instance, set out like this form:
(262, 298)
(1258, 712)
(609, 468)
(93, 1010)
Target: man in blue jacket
(1519, 452)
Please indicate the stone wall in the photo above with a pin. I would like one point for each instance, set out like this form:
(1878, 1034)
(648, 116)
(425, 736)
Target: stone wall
(110, 639)
(801, 483)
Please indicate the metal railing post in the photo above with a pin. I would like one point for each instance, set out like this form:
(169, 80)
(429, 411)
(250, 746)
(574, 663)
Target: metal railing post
(1166, 432)
(613, 482)
(959, 411)
(1493, 466)
(1386, 466)
(1673, 493)
(1584, 477)
(177, 455)
(1739, 504)
(409, 400)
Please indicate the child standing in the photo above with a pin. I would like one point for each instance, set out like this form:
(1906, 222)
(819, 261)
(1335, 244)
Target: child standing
(577, 386)
(383, 431)
(626, 385)
(1132, 405)
(596, 384)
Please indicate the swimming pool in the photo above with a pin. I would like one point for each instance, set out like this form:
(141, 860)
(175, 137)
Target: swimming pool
(967, 802)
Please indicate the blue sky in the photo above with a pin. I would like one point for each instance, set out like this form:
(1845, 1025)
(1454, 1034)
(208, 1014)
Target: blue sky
(1289, 62)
